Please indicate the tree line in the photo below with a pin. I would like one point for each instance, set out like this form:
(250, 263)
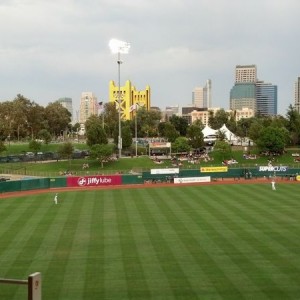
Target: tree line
(22, 119)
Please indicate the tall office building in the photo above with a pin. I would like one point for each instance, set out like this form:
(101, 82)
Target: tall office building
(67, 103)
(243, 95)
(297, 95)
(266, 98)
(245, 73)
(88, 106)
(249, 92)
(201, 96)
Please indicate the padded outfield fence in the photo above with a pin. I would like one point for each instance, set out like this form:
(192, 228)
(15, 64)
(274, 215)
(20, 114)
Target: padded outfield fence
(152, 176)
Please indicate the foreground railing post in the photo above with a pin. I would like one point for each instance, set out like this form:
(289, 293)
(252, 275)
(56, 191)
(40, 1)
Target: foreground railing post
(34, 285)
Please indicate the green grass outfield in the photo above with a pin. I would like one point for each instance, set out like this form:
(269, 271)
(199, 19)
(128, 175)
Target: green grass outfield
(197, 242)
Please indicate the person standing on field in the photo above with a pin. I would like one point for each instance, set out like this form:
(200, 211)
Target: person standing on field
(56, 199)
(273, 184)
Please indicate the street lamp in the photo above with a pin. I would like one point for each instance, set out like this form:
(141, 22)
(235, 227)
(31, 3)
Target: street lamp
(118, 47)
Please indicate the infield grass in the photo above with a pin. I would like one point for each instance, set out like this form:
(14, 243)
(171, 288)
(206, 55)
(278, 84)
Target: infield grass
(198, 242)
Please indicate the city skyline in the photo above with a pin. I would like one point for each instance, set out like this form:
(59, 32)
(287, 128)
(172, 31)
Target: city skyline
(55, 49)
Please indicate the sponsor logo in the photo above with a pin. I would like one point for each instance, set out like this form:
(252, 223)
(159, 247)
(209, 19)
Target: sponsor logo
(272, 168)
(213, 169)
(86, 181)
(81, 181)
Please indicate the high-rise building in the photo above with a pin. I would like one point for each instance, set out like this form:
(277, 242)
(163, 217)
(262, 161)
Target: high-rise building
(297, 95)
(249, 92)
(67, 103)
(129, 98)
(266, 98)
(243, 95)
(201, 96)
(88, 106)
(245, 73)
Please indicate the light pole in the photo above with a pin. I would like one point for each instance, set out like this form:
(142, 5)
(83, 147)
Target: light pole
(136, 141)
(118, 47)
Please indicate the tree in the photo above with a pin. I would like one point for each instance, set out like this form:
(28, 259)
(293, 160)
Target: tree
(147, 122)
(35, 146)
(35, 120)
(66, 150)
(195, 136)
(255, 130)
(180, 124)
(223, 148)
(21, 108)
(101, 152)
(293, 124)
(126, 137)
(45, 135)
(111, 118)
(57, 118)
(272, 139)
(170, 132)
(199, 123)
(219, 119)
(221, 135)
(2, 147)
(95, 133)
(181, 144)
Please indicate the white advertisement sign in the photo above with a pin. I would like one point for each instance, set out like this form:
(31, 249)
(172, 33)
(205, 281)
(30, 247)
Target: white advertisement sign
(192, 179)
(165, 171)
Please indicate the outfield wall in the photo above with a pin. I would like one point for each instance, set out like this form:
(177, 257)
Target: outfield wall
(155, 175)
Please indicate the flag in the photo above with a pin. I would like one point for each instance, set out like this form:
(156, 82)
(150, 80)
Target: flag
(132, 107)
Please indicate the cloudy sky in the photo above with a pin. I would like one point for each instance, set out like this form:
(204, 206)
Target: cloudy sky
(59, 48)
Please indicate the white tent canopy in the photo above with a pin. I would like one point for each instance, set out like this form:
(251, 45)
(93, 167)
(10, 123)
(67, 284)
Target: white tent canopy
(229, 135)
(209, 131)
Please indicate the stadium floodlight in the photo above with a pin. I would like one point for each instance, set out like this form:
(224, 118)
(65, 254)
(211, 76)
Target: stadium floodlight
(119, 47)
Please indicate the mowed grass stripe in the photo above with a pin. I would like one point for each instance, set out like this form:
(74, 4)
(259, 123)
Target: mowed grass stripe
(271, 221)
(245, 245)
(206, 274)
(230, 252)
(134, 272)
(76, 264)
(93, 276)
(69, 212)
(115, 282)
(17, 238)
(275, 223)
(9, 207)
(165, 243)
(157, 282)
(241, 243)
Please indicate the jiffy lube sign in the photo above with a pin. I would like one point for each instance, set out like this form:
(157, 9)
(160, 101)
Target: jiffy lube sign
(86, 181)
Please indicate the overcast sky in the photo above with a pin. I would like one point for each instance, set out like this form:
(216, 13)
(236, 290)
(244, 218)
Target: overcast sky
(59, 48)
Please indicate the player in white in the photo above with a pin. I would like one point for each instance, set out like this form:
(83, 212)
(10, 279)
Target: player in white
(273, 184)
(55, 199)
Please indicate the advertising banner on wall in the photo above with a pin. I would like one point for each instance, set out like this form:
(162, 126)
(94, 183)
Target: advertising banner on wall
(165, 171)
(273, 168)
(86, 181)
(213, 169)
(192, 179)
